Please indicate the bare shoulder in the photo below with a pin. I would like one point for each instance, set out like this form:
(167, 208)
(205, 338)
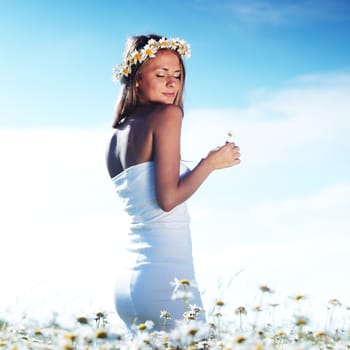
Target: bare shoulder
(166, 115)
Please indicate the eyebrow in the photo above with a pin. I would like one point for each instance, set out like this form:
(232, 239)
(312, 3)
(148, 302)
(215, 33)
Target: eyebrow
(166, 69)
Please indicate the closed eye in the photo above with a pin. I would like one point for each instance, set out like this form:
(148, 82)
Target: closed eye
(163, 76)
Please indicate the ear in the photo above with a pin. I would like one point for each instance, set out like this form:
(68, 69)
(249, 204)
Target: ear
(138, 80)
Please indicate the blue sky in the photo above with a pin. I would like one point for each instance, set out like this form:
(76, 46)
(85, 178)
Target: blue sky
(275, 73)
(238, 46)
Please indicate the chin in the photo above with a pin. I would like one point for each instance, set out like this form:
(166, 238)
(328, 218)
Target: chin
(165, 102)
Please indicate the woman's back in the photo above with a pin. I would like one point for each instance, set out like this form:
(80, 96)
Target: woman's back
(131, 143)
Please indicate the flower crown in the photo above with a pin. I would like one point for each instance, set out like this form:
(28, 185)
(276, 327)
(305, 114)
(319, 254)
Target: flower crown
(149, 50)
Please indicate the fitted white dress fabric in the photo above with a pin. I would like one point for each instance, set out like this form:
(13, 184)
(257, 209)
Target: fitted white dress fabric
(158, 249)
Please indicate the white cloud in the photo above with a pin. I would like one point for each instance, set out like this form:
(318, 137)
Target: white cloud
(310, 217)
(62, 224)
(264, 12)
(294, 143)
(305, 121)
(258, 11)
(314, 269)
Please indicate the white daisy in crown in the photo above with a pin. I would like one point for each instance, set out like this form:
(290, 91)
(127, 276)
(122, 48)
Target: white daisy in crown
(148, 51)
(136, 56)
(153, 43)
(126, 70)
(174, 43)
(163, 43)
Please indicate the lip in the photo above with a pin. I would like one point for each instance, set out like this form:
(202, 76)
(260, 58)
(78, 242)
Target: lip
(169, 94)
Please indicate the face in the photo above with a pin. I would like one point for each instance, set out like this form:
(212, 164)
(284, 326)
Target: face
(160, 79)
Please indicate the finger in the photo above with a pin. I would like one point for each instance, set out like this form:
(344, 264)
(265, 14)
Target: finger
(236, 155)
(235, 160)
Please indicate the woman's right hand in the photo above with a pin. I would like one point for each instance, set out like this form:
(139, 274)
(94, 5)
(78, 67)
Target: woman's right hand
(224, 156)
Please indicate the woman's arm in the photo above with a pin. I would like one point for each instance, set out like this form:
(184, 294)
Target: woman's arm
(170, 189)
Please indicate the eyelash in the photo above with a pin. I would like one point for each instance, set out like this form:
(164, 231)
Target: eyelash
(162, 76)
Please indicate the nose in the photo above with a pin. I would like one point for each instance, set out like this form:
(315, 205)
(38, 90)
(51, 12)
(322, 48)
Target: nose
(171, 81)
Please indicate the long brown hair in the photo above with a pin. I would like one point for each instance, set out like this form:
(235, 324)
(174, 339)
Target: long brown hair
(128, 98)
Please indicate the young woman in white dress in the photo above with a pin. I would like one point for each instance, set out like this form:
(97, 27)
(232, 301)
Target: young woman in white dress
(144, 162)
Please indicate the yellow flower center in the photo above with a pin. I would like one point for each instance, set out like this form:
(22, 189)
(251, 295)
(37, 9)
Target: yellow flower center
(101, 334)
(193, 332)
(141, 327)
(185, 282)
(70, 336)
(240, 340)
(301, 322)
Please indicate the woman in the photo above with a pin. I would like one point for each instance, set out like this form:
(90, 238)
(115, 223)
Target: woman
(144, 162)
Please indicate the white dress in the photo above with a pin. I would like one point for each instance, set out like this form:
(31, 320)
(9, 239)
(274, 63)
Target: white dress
(159, 249)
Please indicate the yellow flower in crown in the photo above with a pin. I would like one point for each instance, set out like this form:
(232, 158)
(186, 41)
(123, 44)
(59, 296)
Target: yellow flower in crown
(148, 51)
(174, 44)
(164, 43)
(184, 49)
(153, 43)
(126, 70)
(136, 56)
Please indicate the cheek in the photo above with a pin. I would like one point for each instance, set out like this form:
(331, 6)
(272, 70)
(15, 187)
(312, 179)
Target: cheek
(146, 85)
(142, 88)
(179, 86)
